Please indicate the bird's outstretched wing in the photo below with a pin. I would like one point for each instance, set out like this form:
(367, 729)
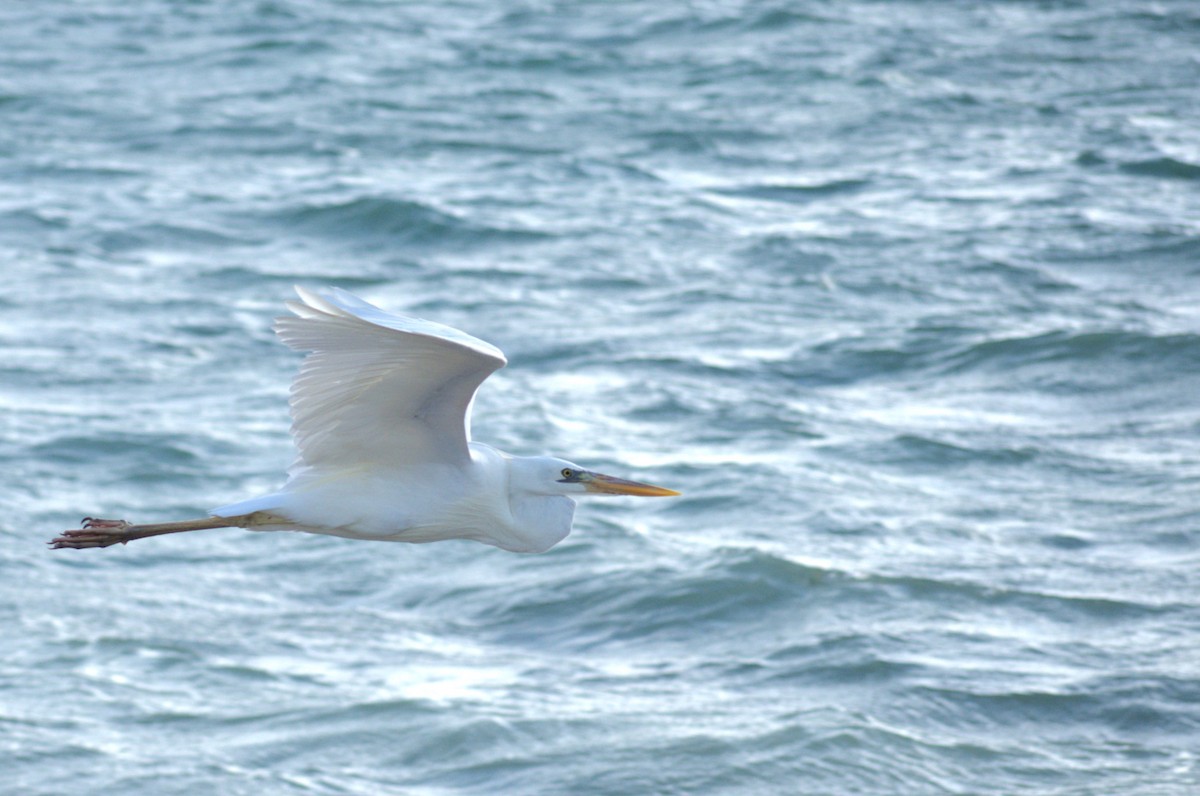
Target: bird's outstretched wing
(378, 388)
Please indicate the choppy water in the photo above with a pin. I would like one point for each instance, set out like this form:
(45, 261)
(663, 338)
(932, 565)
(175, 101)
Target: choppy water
(902, 295)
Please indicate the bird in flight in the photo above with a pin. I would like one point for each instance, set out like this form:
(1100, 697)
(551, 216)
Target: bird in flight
(381, 417)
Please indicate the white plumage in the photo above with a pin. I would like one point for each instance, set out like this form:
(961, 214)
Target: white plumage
(381, 414)
(383, 389)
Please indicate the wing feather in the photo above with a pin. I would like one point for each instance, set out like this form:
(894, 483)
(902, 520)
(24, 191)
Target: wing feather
(379, 388)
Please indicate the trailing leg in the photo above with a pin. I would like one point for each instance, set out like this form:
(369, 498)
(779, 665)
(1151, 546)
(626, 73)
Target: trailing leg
(104, 533)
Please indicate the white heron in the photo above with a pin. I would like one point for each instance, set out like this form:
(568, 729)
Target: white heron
(381, 415)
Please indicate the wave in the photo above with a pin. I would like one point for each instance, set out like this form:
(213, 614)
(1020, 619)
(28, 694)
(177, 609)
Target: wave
(1053, 358)
(1114, 347)
(1155, 705)
(165, 451)
(1163, 166)
(398, 220)
(1167, 167)
(793, 194)
(169, 236)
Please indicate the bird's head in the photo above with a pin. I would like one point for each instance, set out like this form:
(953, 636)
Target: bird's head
(546, 475)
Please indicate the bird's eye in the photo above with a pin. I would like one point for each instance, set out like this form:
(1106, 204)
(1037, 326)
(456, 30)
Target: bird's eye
(567, 472)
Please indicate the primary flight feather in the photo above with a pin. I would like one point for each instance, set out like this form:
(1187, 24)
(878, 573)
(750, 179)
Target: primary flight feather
(381, 417)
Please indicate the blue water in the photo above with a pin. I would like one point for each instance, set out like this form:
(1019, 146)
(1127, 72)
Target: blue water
(903, 296)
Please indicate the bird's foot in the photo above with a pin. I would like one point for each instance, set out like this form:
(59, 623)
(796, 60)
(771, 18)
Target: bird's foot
(94, 522)
(95, 533)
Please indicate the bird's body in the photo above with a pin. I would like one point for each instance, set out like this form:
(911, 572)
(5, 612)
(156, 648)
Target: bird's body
(417, 504)
(381, 418)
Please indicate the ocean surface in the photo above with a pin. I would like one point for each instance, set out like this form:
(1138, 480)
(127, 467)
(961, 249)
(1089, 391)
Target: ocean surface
(903, 296)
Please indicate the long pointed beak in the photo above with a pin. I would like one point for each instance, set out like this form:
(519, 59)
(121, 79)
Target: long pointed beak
(608, 485)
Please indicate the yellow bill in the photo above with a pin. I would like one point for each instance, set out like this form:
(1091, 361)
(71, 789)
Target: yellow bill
(610, 485)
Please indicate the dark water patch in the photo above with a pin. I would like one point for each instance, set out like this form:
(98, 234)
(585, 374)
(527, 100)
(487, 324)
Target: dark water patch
(849, 360)
(400, 221)
(169, 236)
(1067, 541)
(1148, 703)
(842, 659)
(282, 47)
(31, 221)
(1032, 280)
(636, 606)
(1165, 167)
(663, 408)
(246, 673)
(741, 584)
(1092, 607)
(467, 740)
(1082, 349)
(510, 93)
(1153, 705)
(794, 194)
(793, 259)
(374, 708)
(555, 60)
(697, 140)
(776, 18)
(235, 277)
(235, 135)
(922, 452)
(502, 773)
(1125, 256)
(490, 144)
(177, 720)
(145, 458)
(79, 171)
(963, 709)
